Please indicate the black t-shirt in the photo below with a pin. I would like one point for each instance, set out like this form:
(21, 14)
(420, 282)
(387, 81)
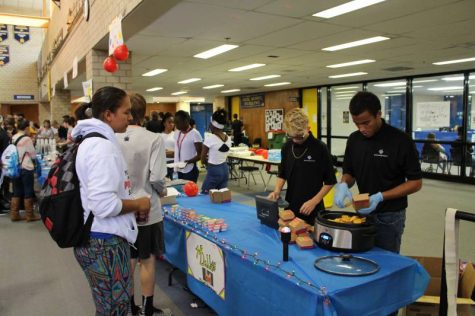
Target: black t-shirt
(382, 162)
(237, 127)
(154, 126)
(306, 168)
(62, 132)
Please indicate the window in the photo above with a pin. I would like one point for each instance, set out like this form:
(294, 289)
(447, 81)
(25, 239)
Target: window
(392, 95)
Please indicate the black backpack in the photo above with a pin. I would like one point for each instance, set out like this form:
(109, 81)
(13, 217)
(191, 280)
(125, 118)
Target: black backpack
(60, 207)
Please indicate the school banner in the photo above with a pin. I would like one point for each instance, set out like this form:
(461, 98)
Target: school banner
(21, 33)
(205, 262)
(4, 55)
(3, 32)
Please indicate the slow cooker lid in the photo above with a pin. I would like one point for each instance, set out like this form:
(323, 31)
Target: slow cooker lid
(347, 265)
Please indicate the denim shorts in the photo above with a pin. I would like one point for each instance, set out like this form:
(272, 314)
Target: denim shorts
(216, 177)
(389, 229)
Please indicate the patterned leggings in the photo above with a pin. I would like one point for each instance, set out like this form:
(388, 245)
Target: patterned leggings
(106, 263)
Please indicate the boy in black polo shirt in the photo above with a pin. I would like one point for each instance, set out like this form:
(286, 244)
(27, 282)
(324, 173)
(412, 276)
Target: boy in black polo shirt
(384, 163)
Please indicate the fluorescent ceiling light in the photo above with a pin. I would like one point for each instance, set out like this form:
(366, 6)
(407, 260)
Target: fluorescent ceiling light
(215, 51)
(417, 86)
(154, 89)
(445, 88)
(24, 20)
(247, 67)
(277, 84)
(348, 75)
(356, 43)
(189, 80)
(352, 63)
(344, 92)
(422, 81)
(345, 8)
(390, 95)
(154, 72)
(459, 78)
(349, 98)
(231, 90)
(347, 88)
(455, 61)
(214, 86)
(391, 84)
(265, 77)
(179, 92)
(396, 91)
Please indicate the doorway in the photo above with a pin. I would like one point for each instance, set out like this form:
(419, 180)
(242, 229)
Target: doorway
(201, 113)
(30, 111)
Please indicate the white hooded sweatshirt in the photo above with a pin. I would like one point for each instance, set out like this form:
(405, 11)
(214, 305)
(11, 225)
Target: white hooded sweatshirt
(104, 181)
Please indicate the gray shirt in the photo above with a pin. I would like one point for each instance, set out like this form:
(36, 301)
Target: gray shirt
(144, 153)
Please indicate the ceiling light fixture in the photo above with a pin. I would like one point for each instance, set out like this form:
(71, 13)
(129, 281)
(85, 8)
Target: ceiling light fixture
(345, 8)
(356, 43)
(179, 92)
(445, 88)
(154, 89)
(247, 67)
(215, 51)
(455, 61)
(265, 77)
(214, 86)
(344, 92)
(423, 81)
(347, 88)
(189, 80)
(231, 90)
(458, 78)
(277, 84)
(25, 20)
(348, 75)
(154, 72)
(352, 63)
(391, 84)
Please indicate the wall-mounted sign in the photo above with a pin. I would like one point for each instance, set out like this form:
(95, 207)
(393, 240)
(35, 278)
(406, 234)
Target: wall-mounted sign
(21, 33)
(4, 55)
(23, 97)
(87, 89)
(205, 262)
(3, 32)
(274, 119)
(252, 100)
(115, 34)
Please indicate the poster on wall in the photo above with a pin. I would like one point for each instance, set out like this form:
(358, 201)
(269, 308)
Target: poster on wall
(274, 119)
(4, 55)
(205, 262)
(432, 114)
(252, 100)
(75, 68)
(65, 80)
(87, 89)
(3, 32)
(21, 33)
(115, 34)
(346, 117)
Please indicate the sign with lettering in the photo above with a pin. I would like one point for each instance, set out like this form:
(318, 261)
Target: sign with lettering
(23, 97)
(21, 33)
(432, 114)
(4, 55)
(205, 262)
(115, 34)
(252, 100)
(3, 32)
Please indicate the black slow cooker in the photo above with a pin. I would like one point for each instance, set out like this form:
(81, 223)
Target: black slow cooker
(342, 236)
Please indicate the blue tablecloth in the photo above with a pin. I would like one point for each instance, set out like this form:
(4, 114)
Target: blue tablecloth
(252, 290)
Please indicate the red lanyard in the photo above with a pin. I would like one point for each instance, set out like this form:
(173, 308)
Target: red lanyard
(179, 143)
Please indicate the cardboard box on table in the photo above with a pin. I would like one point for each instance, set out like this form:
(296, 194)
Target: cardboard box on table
(428, 305)
(220, 196)
(170, 197)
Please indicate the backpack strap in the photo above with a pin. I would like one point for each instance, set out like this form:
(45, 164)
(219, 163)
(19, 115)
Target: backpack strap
(80, 139)
(15, 144)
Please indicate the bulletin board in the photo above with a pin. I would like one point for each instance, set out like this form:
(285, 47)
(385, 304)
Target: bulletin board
(433, 114)
(274, 119)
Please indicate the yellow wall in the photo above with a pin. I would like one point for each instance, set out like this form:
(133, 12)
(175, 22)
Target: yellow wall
(309, 105)
(235, 106)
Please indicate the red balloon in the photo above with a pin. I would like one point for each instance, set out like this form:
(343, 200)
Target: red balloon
(121, 52)
(190, 188)
(110, 65)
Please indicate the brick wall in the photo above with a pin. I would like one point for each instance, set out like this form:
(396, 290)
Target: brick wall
(122, 78)
(60, 105)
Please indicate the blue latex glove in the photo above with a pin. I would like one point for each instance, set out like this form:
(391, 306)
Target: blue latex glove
(341, 193)
(374, 200)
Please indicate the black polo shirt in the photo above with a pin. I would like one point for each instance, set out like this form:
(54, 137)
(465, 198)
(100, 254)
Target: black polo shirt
(382, 162)
(306, 168)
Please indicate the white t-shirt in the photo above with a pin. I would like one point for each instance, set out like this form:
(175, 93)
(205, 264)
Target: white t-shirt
(185, 147)
(169, 140)
(214, 143)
